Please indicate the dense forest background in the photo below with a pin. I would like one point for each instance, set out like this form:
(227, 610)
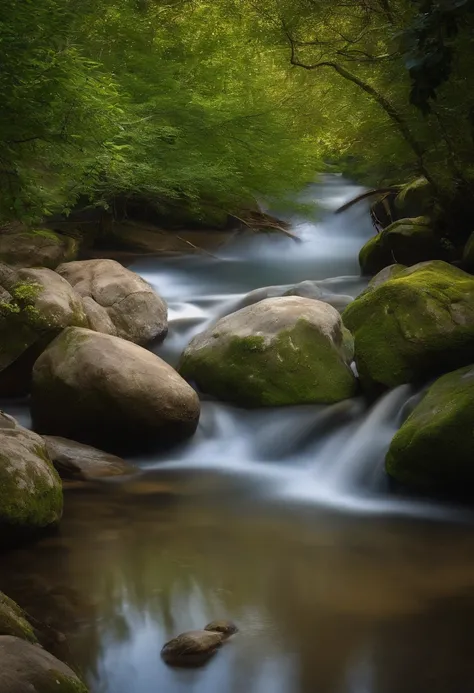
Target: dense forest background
(201, 106)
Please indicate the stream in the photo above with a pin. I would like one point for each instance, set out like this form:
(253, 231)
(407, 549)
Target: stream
(282, 520)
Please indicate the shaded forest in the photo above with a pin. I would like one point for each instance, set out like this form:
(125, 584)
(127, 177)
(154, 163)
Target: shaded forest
(201, 107)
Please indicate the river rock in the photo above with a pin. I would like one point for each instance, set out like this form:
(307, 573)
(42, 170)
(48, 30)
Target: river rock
(418, 324)
(81, 462)
(434, 448)
(374, 256)
(104, 391)
(306, 289)
(468, 255)
(27, 668)
(30, 489)
(287, 350)
(415, 199)
(228, 628)
(36, 304)
(192, 649)
(118, 301)
(13, 620)
(406, 242)
(384, 275)
(24, 247)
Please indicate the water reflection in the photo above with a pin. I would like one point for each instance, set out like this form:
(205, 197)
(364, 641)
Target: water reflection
(324, 603)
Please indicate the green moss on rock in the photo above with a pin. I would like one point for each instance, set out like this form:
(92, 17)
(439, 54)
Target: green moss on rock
(30, 488)
(405, 242)
(57, 682)
(418, 324)
(415, 199)
(384, 275)
(374, 256)
(299, 366)
(468, 255)
(434, 448)
(13, 620)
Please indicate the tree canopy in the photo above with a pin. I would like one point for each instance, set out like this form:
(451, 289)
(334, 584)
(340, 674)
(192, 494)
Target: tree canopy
(203, 106)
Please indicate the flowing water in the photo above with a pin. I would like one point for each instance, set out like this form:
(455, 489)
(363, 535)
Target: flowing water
(282, 520)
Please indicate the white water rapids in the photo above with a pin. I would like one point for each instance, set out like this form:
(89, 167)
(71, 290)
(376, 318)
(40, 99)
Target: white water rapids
(331, 455)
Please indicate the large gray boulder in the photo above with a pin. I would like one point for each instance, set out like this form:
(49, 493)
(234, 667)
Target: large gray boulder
(81, 462)
(27, 668)
(30, 489)
(104, 391)
(117, 301)
(35, 305)
(287, 350)
(24, 247)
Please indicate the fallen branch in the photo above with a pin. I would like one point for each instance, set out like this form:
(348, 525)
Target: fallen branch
(163, 232)
(370, 193)
(265, 221)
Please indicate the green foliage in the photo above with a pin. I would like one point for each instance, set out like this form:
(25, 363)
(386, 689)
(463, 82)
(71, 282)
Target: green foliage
(200, 107)
(177, 104)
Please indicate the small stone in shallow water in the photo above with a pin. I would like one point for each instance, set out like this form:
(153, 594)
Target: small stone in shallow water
(193, 648)
(227, 628)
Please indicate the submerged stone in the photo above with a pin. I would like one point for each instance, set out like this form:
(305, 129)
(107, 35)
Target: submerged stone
(193, 648)
(81, 462)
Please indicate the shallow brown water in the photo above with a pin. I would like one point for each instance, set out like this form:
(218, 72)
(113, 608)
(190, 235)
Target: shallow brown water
(325, 603)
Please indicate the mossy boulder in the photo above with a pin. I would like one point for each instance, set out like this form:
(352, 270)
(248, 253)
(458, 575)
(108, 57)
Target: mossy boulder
(35, 247)
(468, 255)
(415, 199)
(13, 620)
(110, 393)
(374, 256)
(418, 324)
(118, 301)
(406, 242)
(30, 489)
(384, 275)
(35, 305)
(27, 668)
(280, 351)
(434, 449)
